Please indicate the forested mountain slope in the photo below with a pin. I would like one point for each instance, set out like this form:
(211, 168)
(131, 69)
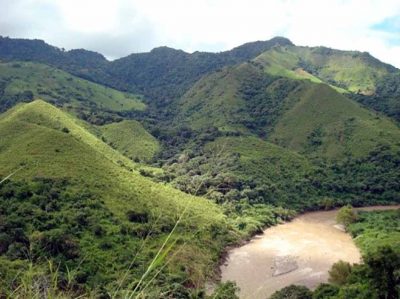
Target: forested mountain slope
(233, 141)
(78, 202)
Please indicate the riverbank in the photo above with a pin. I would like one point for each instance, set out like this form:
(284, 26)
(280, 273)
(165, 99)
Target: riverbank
(297, 252)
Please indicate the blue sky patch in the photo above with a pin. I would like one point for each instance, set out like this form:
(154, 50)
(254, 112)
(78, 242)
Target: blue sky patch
(392, 26)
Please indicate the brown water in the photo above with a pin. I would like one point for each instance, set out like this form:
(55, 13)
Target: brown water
(298, 252)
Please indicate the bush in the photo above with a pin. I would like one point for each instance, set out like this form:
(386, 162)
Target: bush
(57, 242)
(292, 292)
(339, 273)
(346, 215)
(384, 267)
(324, 291)
(138, 217)
(65, 130)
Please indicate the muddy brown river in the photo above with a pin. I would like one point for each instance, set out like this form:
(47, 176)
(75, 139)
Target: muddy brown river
(298, 252)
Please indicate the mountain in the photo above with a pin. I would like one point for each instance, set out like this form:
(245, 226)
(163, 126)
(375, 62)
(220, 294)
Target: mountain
(302, 115)
(239, 140)
(269, 102)
(161, 73)
(351, 70)
(25, 81)
(80, 62)
(363, 77)
(131, 139)
(167, 73)
(79, 202)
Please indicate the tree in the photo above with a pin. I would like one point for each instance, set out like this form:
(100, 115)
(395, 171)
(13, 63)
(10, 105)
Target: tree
(292, 292)
(346, 215)
(325, 290)
(384, 267)
(339, 273)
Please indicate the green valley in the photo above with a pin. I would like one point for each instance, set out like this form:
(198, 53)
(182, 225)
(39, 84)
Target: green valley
(131, 178)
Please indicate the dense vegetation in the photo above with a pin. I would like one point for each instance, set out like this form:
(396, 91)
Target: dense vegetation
(45, 220)
(79, 190)
(375, 229)
(237, 168)
(161, 74)
(251, 136)
(386, 97)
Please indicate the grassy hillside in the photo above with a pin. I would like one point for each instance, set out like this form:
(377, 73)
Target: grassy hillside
(350, 70)
(358, 75)
(76, 166)
(308, 117)
(25, 81)
(260, 139)
(327, 149)
(213, 101)
(238, 99)
(131, 139)
(325, 123)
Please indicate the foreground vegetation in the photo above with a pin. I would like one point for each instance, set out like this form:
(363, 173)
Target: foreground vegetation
(81, 206)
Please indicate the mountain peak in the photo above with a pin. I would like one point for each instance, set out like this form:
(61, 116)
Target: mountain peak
(166, 50)
(282, 41)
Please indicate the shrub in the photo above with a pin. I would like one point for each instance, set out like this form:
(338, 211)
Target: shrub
(346, 215)
(339, 273)
(139, 217)
(292, 292)
(324, 291)
(65, 130)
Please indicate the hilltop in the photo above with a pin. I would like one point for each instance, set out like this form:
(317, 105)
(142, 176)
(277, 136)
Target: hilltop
(94, 188)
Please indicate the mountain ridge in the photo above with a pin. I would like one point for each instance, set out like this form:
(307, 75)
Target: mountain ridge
(210, 149)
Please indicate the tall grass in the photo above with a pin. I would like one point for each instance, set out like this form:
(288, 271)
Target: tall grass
(11, 174)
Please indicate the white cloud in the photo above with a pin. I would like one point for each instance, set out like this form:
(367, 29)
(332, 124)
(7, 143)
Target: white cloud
(119, 27)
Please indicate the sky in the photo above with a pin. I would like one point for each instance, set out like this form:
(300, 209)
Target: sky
(117, 28)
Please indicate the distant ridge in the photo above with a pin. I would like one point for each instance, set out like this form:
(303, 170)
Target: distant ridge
(150, 73)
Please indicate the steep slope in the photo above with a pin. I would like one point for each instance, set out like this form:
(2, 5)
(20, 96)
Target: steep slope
(324, 123)
(359, 75)
(214, 101)
(303, 115)
(86, 64)
(131, 139)
(24, 81)
(53, 149)
(345, 148)
(354, 71)
(163, 73)
(241, 98)
(166, 73)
